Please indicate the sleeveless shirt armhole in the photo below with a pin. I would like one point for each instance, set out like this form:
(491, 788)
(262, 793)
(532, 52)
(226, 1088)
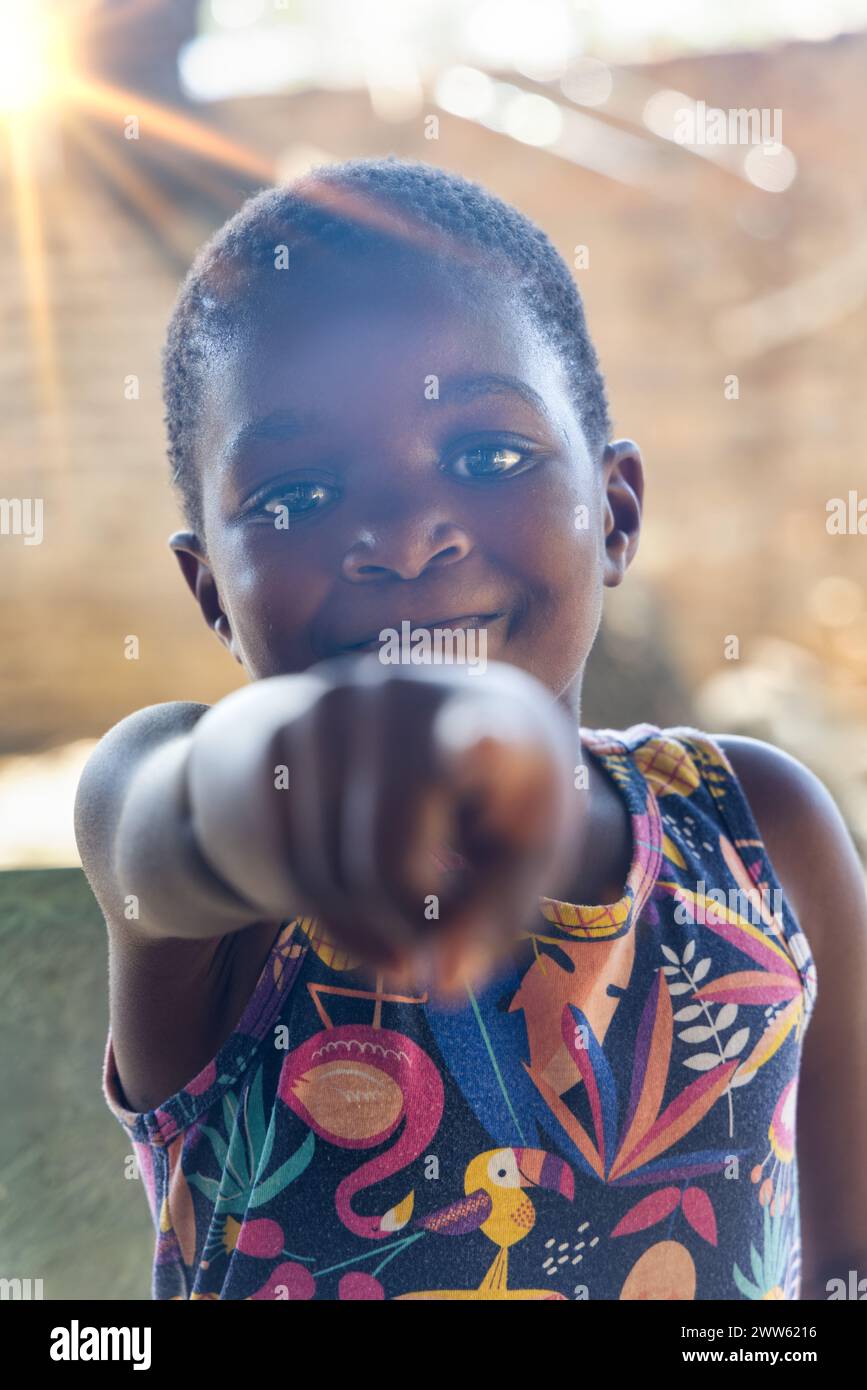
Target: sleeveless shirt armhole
(157, 1127)
(744, 834)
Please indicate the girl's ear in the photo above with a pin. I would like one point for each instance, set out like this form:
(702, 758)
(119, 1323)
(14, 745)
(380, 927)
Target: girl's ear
(624, 495)
(191, 557)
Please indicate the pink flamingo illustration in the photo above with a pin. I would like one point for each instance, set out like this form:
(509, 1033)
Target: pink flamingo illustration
(353, 1085)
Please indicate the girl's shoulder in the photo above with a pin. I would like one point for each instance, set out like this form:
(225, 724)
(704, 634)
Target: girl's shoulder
(760, 787)
(783, 794)
(109, 770)
(805, 834)
(803, 831)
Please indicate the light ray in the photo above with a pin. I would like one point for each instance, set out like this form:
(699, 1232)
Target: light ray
(171, 126)
(142, 193)
(31, 246)
(182, 132)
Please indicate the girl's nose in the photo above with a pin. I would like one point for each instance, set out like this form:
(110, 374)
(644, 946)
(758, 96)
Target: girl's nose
(404, 551)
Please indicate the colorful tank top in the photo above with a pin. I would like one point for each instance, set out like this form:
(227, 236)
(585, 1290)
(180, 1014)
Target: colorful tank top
(612, 1116)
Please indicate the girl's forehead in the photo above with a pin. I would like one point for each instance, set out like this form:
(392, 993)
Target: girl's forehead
(350, 347)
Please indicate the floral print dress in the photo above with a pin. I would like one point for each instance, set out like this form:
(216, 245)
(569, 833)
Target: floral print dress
(611, 1117)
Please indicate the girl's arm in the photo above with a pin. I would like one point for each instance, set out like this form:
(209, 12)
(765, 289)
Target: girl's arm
(173, 998)
(134, 833)
(326, 793)
(821, 875)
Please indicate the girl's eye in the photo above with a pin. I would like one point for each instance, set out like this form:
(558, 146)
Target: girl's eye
(296, 498)
(487, 461)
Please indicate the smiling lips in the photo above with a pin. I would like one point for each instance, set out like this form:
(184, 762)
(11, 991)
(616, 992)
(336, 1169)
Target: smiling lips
(465, 622)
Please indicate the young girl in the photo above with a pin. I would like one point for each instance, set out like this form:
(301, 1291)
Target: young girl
(419, 988)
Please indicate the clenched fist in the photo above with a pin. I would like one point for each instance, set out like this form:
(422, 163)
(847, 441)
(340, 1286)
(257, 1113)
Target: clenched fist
(356, 779)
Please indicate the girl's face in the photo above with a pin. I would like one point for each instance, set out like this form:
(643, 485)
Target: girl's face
(374, 451)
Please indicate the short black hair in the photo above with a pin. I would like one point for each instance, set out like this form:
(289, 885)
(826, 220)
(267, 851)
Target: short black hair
(371, 208)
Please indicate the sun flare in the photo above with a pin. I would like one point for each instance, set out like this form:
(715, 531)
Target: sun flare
(33, 56)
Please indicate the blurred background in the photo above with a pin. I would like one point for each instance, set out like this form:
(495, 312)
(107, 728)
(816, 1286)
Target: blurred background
(725, 286)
